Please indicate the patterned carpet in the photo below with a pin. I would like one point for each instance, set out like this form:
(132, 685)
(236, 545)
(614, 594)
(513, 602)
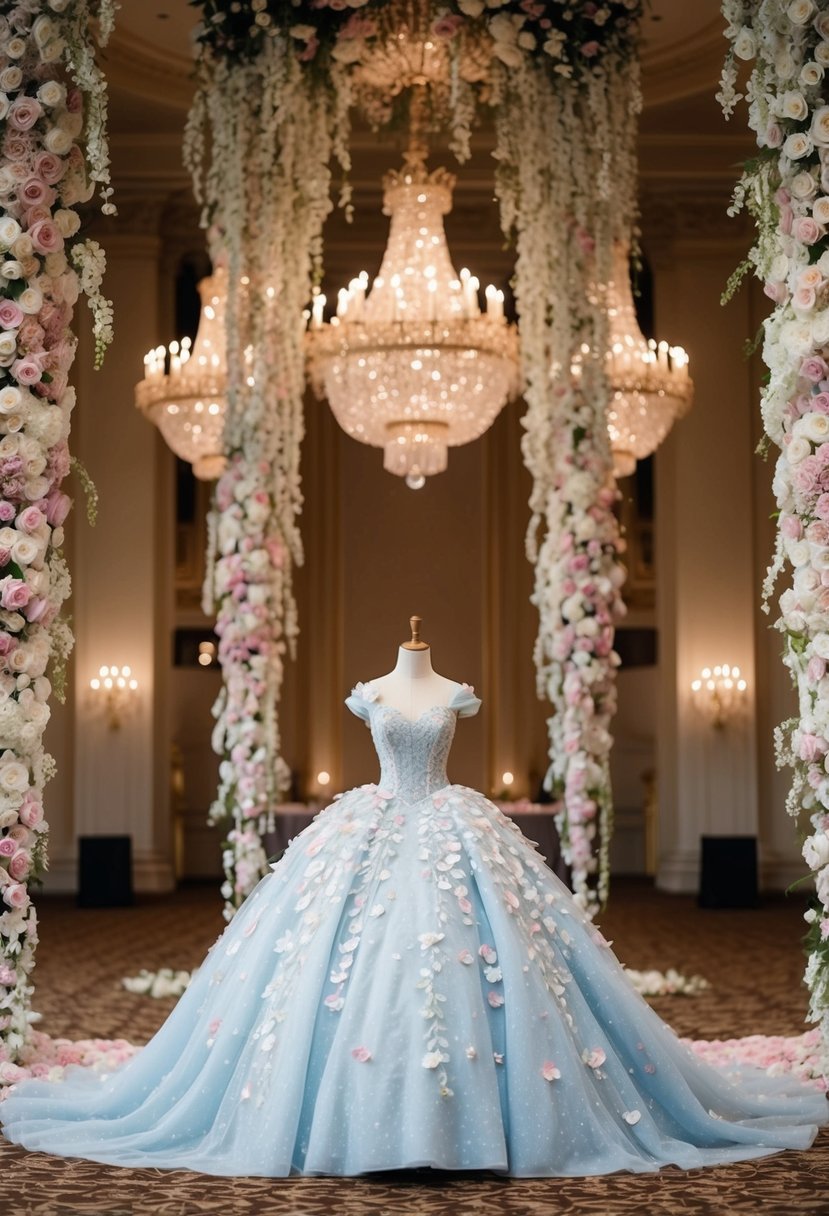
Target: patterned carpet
(752, 959)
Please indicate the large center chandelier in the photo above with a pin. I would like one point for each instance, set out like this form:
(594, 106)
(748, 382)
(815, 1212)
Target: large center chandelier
(184, 387)
(414, 366)
(649, 381)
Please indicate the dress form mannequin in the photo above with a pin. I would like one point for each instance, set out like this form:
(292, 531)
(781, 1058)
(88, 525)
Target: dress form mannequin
(413, 686)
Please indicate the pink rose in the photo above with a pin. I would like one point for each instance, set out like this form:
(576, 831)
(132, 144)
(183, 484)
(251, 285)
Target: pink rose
(31, 813)
(10, 314)
(74, 101)
(811, 748)
(37, 213)
(807, 230)
(16, 895)
(50, 167)
(34, 191)
(814, 369)
(822, 506)
(774, 135)
(26, 371)
(785, 221)
(30, 335)
(20, 865)
(7, 512)
(24, 113)
(14, 593)
(804, 298)
(7, 847)
(776, 291)
(46, 236)
(791, 527)
(8, 976)
(30, 520)
(36, 609)
(819, 403)
(58, 506)
(448, 25)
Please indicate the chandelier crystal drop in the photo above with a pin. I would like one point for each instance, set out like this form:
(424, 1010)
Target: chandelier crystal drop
(184, 387)
(413, 366)
(649, 381)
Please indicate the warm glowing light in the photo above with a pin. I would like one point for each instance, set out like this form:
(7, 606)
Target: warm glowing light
(507, 778)
(649, 381)
(177, 382)
(414, 366)
(719, 693)
(323, 778)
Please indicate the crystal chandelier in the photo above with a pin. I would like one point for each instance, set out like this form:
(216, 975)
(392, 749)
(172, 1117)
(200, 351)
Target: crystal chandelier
(413, 366)
(183, 390)
(650, 385)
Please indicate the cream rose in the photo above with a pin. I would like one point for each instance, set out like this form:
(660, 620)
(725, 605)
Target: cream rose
(784, 65)
(51, 94)
(798, 144)
(819, 128)
(57, 141)
(803, 185)
(745, 44)
(68, 222)
(9, 231)
(30, 300)
(820, 210)
(798, 450)
(793, 106)
(10, 398)
(14, 777)
(811, 74)
(800, 11)
(812, 426)
(822, 54)
(25, 550)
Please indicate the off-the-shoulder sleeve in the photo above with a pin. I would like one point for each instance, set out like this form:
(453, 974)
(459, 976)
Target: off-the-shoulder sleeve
(357, 705)
(465, 702)
(359, 702)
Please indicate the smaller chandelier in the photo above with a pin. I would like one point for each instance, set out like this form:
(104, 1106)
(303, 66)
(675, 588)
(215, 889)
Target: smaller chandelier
(413, 366)
(184, 386)
(649, 381)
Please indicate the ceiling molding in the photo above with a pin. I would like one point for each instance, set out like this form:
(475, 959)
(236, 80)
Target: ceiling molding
(149, 70)
(685, 69)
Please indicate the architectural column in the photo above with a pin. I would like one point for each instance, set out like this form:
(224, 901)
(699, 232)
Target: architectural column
(707, 588)
(121, 575)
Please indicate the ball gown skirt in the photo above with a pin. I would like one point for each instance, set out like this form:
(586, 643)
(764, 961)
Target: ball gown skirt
(412, 987)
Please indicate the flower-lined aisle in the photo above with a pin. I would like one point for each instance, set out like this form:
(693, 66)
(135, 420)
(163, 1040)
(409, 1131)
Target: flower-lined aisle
(276, 85)
(50, 161)
(787, 190)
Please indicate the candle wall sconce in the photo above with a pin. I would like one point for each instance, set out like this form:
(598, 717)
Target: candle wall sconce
(114, 693)
(719, 694)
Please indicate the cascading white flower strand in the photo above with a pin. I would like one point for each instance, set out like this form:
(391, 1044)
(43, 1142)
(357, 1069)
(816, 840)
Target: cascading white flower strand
(266, 189)
(787, 190)
(567, 189)
(49, 164)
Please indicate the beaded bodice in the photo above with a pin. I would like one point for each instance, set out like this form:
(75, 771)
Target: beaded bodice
(412, 753)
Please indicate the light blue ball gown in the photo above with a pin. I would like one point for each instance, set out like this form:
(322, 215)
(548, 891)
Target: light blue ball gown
(411, 986)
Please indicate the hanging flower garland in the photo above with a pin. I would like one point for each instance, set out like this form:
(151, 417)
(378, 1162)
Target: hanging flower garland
(276, 84)
(787, 190)
(47, 72)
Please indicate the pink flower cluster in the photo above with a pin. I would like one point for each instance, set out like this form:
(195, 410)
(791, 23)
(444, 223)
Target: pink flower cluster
(777, 1055)
(581, 678)
(247, 580)
(47, 1057)
(42, 178)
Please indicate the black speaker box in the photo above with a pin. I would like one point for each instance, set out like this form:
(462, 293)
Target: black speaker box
(104, 871)
(728, 872)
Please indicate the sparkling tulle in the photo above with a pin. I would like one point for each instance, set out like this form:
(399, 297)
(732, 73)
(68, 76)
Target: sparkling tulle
(411, 987)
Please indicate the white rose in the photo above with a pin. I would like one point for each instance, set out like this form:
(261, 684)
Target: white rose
(10, 79)
(822, 54)
(30, 300)
(816, 851)
(11, 270)
(800, 11)
(9, 444)
(10, 398)
(811, 74)
(820, 328)
(15, 48)
(803, 185)
(51, 93)
(4, 106)
(9, 231)
(8, 344)
(43, 30)
(819, 128)
(14, 777)
(745, 44)
(793, 105)
(25, 550)
(57, 141)
(822, 886)
(780, 268)
(572, 609)
(798, 551)
(820, 211)
(798, 450)
(820, 645)
(795, 147)
(812, 426)
(68, 221)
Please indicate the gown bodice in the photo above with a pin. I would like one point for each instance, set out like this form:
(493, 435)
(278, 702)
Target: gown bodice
(412, 752)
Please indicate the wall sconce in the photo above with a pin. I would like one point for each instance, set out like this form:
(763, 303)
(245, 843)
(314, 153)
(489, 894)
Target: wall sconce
(719, 694)
(207, 653)
(505, 791)
(114, 689)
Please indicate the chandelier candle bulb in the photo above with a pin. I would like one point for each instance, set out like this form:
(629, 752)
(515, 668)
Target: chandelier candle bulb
(719, 693)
